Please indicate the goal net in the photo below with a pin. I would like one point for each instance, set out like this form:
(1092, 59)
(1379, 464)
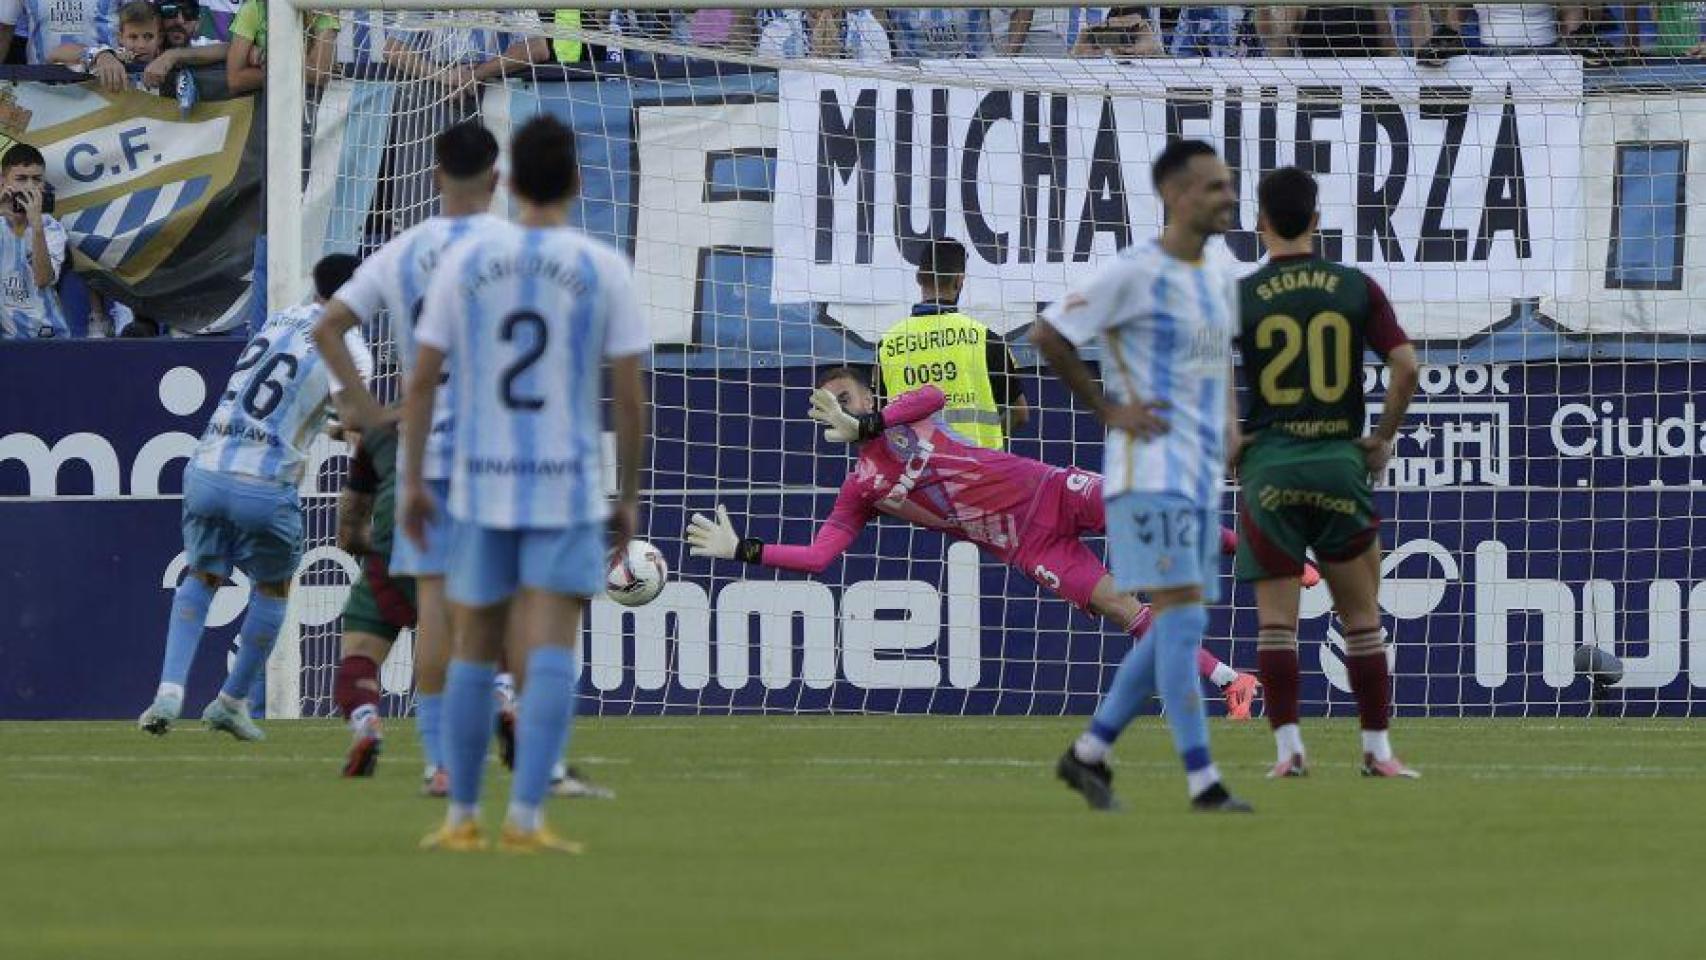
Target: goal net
(775, 174)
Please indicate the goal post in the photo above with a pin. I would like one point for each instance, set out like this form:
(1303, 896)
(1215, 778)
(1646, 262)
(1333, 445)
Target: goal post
(1525, 211)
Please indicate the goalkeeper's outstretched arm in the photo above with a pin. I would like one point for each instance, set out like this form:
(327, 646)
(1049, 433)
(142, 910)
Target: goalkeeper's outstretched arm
(716, 537)
(708, 537)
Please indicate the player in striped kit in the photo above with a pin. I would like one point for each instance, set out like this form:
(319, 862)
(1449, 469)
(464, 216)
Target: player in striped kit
(240, 500)
(1165, 317)
(394, 281)
(529, 313)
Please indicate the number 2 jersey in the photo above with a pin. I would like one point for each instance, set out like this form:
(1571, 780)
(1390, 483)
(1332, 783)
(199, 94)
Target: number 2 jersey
(1304, 323)
(527, 317)
(394, 280)
(277, 399)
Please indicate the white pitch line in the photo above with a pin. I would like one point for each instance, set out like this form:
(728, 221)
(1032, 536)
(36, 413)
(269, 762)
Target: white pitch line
(287, 759)
(716, 768)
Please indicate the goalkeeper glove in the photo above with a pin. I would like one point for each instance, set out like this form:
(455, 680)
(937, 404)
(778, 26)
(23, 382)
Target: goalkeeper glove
(839, 425)
(718, 539)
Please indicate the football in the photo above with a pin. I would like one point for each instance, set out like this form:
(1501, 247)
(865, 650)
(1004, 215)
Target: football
(637, 575)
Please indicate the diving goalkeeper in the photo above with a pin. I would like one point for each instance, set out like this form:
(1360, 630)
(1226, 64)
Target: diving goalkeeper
(1026, 513)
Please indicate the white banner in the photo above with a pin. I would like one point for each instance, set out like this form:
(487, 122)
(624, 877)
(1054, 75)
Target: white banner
(1457, 186)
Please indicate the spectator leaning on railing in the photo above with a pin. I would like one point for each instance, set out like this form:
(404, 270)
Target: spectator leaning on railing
(145, 39)
(181, 21)
(939, 34)
(32, 249)
(1036, 32)
(1126, 32)
(1345, 31)
(1210, 32)
(457, 58)
(856, 34)
(246, 60)
(140, 33)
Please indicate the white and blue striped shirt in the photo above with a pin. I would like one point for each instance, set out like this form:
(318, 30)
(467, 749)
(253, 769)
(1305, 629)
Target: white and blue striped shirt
(394, 280)
(361, 37)
(528, 316)
(1166, 329)
(276, 400)
(27, 310)
(52, 23)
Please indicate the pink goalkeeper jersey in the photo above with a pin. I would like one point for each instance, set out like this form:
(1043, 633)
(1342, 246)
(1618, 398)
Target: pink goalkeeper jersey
(922, 472)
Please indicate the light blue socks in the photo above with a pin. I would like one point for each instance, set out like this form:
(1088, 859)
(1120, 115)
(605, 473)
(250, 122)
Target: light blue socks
(469, 709)
(183, 633)
(254, 643)
(542, 728)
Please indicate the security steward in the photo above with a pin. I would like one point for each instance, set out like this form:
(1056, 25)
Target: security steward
(939, 345)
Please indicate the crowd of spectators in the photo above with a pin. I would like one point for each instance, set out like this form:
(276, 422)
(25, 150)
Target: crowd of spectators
(148, 44)
(1600, 33)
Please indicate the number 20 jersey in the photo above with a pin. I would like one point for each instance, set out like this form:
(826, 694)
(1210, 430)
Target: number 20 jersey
(1303, 325)
(276, 400)
(394, 280)
(527, 318)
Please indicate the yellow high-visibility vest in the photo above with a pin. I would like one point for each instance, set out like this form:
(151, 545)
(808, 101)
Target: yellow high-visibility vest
(567, 50)
(949, 351)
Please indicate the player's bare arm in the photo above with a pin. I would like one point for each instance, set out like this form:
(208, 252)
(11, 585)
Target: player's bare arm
(1016, 414)
(355, 516)
(1142, 419)
(422, 390)
(357, 407)
(633, 418)
(1406, 371)
(1234, 425)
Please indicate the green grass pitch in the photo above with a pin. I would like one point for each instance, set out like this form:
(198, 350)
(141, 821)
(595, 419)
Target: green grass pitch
(863, 837)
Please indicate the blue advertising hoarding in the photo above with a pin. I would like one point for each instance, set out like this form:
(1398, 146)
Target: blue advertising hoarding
(1533, 508)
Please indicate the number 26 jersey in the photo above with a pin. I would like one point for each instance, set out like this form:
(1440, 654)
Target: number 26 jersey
(276, 401)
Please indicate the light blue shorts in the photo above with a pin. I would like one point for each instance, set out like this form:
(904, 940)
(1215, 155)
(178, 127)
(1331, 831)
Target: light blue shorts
(488, 565)
(252, 524)
(408, 560)
(1159, 540)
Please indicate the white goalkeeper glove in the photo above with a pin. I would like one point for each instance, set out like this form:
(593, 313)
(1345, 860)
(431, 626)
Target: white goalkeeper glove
(839, 425)
(717, 539)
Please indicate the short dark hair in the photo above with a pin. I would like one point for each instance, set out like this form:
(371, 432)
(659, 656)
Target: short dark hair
(851, 373)
(542, 161)
(942, 257)
(1287, 200)
(332, 272)
(1175, 157)
(138, 12)
(465, 150)
(22, 155)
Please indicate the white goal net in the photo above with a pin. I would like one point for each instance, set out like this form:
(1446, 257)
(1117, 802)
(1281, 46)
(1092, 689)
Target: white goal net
(1520, 191)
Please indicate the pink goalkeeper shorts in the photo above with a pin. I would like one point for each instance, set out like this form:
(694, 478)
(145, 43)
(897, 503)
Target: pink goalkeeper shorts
(1068, 507)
